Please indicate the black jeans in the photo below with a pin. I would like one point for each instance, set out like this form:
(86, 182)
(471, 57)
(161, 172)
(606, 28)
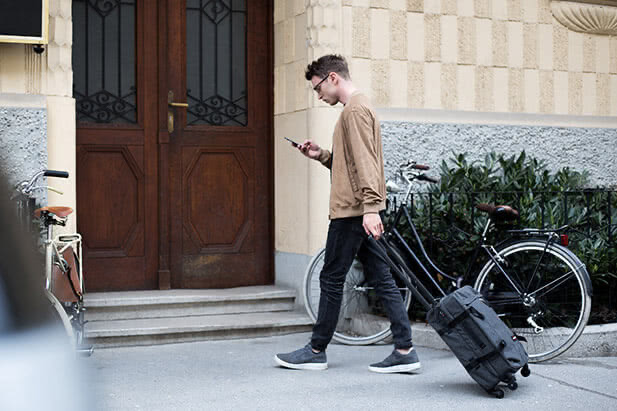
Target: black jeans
(346, 239)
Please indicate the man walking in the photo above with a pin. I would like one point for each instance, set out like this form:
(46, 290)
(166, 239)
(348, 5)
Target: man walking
(357, 196)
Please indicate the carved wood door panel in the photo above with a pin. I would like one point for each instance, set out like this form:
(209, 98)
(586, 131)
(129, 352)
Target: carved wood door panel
(220, 151)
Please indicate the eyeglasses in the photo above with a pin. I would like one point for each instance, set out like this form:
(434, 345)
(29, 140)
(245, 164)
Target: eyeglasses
(317, 87)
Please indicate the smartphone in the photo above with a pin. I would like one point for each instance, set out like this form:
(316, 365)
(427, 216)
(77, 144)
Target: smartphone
(293, 143)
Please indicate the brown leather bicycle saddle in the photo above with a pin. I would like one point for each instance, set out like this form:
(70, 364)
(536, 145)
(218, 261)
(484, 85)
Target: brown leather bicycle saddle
(57, 211)
(499, 213)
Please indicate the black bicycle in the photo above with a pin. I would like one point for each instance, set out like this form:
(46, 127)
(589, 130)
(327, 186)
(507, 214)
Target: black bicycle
(532, 280)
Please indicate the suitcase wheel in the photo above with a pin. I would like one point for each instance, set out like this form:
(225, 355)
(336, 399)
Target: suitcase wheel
(513, 385)
(497, 392)
(525, 371)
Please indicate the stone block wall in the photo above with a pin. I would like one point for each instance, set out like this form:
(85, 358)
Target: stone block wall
(36, 99)
(490, 75)
(23, 142)
(478, 55)
(290, 57)
(579, 148)
(303, 31)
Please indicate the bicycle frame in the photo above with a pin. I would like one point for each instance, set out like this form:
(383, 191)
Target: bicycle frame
(54, 250)
(549, 236)
(70, 310)
(519, 291)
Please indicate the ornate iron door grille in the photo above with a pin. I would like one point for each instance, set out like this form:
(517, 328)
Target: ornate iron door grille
(104, 61)
(216, 62)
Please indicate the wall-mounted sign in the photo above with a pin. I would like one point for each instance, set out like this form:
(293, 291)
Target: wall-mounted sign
(24, 21)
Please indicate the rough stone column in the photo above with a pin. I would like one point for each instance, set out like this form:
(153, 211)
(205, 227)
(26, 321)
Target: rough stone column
(324, 36)
(304, 30)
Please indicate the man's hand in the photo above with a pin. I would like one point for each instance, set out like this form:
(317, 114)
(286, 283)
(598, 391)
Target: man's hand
(372, 225)
(310, 149)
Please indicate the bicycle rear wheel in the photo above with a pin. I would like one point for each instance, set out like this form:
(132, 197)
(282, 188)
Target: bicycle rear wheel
(553, 306)
(362, 319)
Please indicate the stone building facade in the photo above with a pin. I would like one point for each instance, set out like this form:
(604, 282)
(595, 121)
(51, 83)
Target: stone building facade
(37, 108)
(444, 75)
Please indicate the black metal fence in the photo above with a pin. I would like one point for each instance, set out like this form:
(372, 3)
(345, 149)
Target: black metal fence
(450, 225)
(587, 213)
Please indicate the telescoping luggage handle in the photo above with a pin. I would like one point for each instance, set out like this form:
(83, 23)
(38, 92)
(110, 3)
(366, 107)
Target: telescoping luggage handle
(419, 291)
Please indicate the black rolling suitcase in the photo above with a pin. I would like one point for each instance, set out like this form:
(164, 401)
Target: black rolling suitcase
(490, 352)
(485, 346)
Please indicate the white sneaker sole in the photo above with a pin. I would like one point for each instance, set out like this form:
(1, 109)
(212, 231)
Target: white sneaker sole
(413, 368)
(306, 366)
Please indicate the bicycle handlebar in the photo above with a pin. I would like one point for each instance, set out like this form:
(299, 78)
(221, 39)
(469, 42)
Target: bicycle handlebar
(56, 173)
(413, 165)
(405, 171)
(27, 186)
(55, 190)
(427, 178)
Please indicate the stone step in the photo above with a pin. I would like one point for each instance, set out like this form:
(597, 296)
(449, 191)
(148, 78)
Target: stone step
(128, 305)
(152, 331)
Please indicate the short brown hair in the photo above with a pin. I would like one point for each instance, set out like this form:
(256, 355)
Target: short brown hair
(327, 64)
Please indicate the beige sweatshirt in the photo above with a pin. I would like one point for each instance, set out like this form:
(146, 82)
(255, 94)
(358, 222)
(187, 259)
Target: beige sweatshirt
(356, 161)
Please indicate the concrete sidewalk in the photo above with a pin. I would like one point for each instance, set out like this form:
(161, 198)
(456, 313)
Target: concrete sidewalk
(242, 375)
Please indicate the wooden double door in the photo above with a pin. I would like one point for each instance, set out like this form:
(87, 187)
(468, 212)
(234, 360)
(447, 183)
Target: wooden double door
(174, 142)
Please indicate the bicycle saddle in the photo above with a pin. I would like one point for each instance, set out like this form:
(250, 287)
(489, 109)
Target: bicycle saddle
(57, 211)
(499, 213)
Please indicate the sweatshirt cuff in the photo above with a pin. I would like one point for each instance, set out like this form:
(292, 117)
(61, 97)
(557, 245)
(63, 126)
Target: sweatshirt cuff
(324, 157)
(372, 208)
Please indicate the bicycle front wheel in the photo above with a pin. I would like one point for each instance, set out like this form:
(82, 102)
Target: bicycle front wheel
(362, 319)
(543, 294)
(62, 317)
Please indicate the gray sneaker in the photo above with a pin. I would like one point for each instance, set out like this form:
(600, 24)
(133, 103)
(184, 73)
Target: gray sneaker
(303, 359)
(397, 362)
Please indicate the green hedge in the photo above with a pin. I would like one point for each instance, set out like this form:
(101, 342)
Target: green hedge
(445, 215)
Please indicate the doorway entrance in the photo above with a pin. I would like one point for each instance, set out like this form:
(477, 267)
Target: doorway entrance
(174, 142)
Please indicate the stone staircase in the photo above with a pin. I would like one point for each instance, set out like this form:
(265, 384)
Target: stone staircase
(171, 316)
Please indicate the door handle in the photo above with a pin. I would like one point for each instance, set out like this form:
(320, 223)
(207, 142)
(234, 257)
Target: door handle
(170, 112)
(172, 103)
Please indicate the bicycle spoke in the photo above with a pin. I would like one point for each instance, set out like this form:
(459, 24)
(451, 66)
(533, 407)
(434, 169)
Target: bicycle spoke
(553, 284)
(559, 316)
(504, 301)
(562, 300)
(355, 297)
(535, 270)
(351, 297)
(503, 298)
(515, 282)
(358, 319)
(556, 335)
